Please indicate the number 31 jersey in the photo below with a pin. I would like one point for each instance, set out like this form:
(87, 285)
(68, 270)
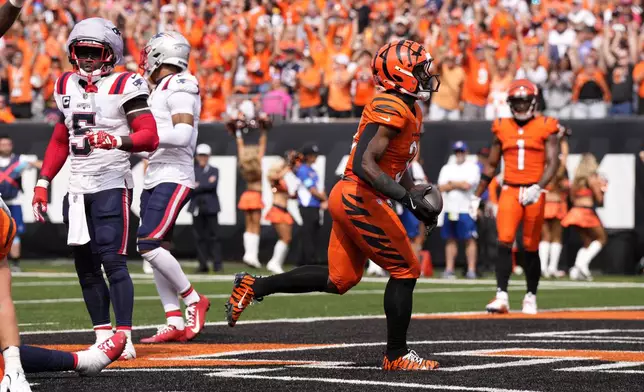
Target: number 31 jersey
(388, 110)
(524, 148)
(95, 170)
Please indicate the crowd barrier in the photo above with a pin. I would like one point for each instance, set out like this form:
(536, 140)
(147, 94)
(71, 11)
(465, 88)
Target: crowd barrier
(615, 142)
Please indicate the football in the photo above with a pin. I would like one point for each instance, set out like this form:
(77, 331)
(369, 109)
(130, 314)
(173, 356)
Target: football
(434, 198)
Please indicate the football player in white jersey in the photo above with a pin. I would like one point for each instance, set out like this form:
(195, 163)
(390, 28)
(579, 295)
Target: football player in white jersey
(169, 181)
(99, 108)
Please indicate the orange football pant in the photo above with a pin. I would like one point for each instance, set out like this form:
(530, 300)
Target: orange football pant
(511, 213)
(366, 227)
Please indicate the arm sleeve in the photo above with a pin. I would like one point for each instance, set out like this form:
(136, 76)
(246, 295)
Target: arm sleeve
(56, 153)
(145, 137)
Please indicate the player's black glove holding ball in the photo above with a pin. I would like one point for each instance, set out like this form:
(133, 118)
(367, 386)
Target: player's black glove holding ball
(426, 203)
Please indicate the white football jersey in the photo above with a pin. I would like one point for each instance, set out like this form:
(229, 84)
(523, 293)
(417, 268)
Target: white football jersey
(95, 170)
(175, 164)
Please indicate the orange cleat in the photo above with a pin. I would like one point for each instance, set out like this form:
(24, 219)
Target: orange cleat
(411, 362)
(196, 317)
(242, 296)
(167, 334)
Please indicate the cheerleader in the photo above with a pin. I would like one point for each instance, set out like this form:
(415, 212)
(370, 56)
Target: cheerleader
(587, 190)
(555, 210)
(250, 165)
(278, 215)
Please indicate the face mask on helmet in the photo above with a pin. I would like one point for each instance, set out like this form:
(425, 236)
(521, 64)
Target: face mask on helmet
(522, 107)
(92, 58)
(427, 82)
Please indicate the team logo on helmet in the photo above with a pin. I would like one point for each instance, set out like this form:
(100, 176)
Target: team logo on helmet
(405, 66)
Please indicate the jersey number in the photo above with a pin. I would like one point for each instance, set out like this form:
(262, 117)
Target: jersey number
(521, 155)
(80, 123)
(413, 149)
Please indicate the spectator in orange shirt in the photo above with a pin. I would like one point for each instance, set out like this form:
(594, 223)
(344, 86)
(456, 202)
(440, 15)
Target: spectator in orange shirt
(339, 83)
(476, 86)
(309, 80)
(638, 78)
(5, 112)
(19, 76)
(590, 92)
(445, 103)
(363, 85)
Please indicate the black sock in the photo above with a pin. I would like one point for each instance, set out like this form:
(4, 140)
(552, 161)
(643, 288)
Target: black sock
(303, 279)
(503, 267)
(399, 296)
(532, 271)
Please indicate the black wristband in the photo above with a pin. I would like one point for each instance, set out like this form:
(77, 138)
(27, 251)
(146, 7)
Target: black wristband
(388, 187)
(485, 177)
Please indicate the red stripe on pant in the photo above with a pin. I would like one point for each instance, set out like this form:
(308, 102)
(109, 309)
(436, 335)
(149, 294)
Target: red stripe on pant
(171, 212)
(126, 221)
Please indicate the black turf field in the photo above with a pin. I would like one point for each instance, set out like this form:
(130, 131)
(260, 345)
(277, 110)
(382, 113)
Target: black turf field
(444, 340)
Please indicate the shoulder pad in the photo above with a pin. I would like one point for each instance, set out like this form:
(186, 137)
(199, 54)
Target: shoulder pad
(182, 82)
(131, 84)
(60, 86)
(389, 110)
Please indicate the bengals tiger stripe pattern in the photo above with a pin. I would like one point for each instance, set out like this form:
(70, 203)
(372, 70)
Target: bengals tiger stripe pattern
(242, 296)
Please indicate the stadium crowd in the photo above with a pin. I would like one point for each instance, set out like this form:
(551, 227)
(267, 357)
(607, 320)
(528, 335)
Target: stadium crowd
(310, 58)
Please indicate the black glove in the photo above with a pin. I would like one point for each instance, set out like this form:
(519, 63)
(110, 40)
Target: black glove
(415, 202)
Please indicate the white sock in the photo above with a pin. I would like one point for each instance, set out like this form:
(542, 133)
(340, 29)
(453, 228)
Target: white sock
(581, 255)
(103, 332)
(555, 252)
(593, 249)
(166, 264)
(169, 299)
(544, 250)
(248, 245)
(253, 241)
(189, 295)
(279, 253)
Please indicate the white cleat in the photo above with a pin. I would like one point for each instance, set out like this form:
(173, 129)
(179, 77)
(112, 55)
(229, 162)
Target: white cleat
(530, 304)
(129, 353)
(274, 267)
(375, 270)
(147, 268)
(500, 303)
(576, 273)
(252, 262)
(98, 357)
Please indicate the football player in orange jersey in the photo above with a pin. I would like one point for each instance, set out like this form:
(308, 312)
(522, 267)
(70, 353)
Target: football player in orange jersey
(529, 145)
(365, 226)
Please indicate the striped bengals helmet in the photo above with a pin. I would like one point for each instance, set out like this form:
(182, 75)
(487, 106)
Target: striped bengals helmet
(522, 99)
(405, 66)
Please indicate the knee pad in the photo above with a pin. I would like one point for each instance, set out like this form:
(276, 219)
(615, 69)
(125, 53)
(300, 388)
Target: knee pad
(114, 265)
(147, 244)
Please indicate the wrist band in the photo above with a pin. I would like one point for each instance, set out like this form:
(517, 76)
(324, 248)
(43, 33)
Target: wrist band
(42, 183)
(485, 177)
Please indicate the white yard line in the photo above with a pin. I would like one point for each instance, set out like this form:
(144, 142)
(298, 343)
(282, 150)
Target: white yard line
(306, 320)
(464, 282)
(442, 387)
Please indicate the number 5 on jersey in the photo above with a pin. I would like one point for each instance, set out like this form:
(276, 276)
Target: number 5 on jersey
(81, 122)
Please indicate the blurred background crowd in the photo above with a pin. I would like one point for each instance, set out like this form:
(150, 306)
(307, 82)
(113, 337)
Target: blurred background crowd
(310, 59)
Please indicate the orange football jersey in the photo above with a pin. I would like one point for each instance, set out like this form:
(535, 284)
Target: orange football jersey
(387, 109)
(524, 148)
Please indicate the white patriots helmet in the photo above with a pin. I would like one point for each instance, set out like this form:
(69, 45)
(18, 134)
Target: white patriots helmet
(94, 47)
(165, 48)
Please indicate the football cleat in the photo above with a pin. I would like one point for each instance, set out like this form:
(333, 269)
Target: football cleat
(98, 357)
(530, 304)
(167, 334)
(242, 296)
(410, 361)
(129, 353)
(196, 317)
(500, 303)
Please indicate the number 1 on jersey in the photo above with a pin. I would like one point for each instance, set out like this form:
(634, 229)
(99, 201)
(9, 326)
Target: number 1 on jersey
(521, 155)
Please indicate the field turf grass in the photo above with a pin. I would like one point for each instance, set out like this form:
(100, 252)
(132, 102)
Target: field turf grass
(591, 341)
